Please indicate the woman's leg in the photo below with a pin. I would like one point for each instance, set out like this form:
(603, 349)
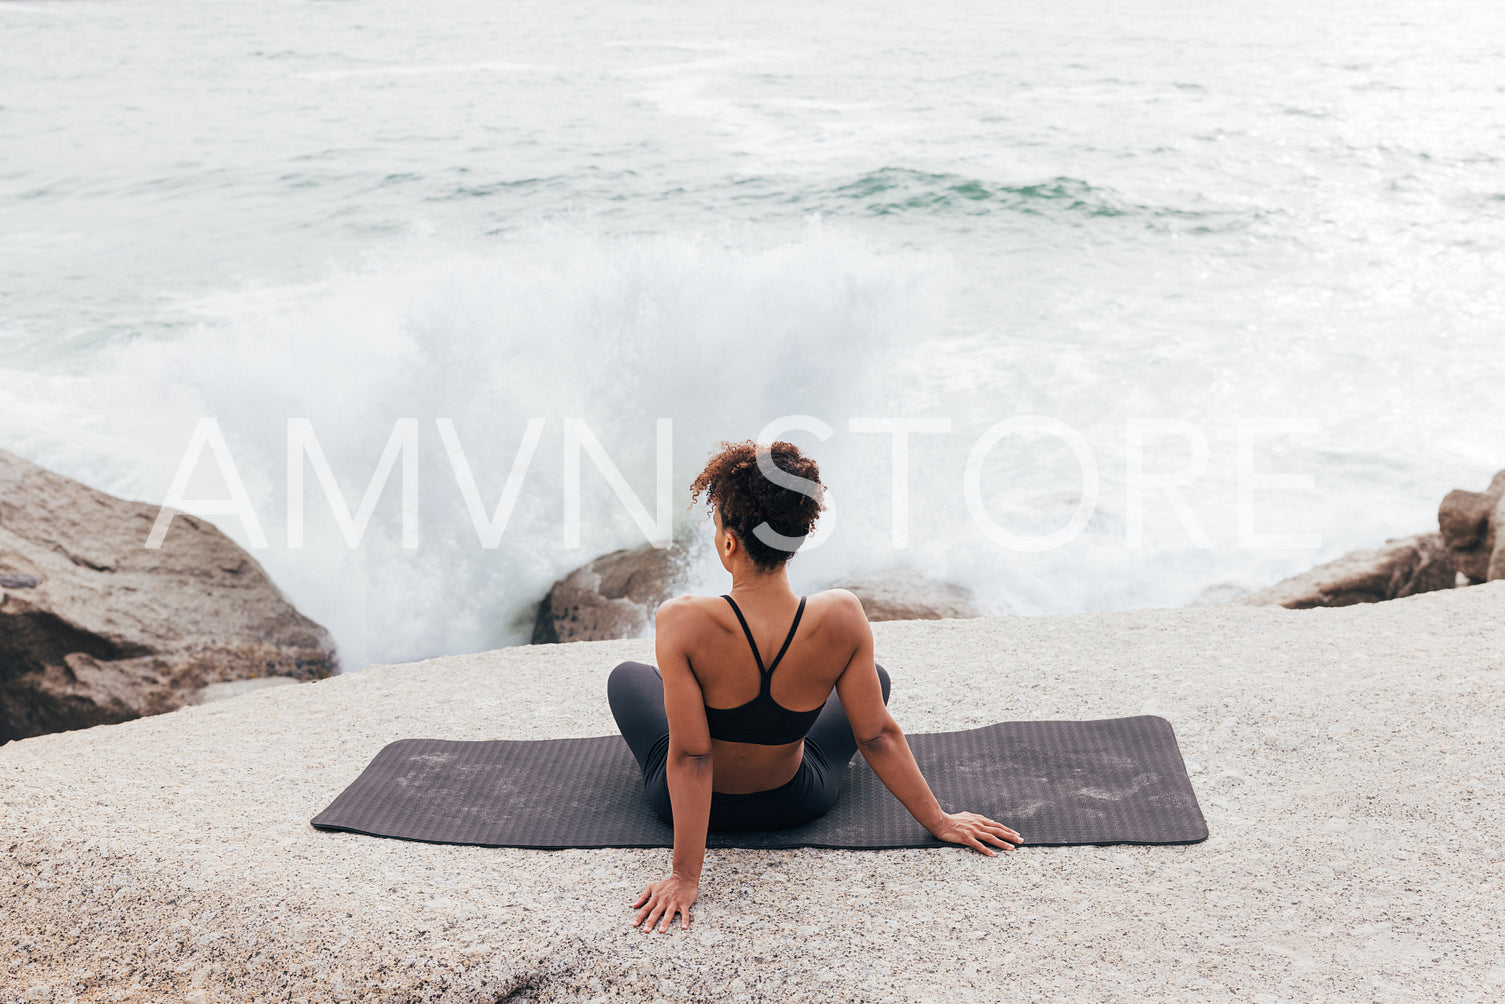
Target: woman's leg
(635, 691)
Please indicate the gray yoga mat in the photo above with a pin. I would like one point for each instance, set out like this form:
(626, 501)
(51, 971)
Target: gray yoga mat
(1115, 781)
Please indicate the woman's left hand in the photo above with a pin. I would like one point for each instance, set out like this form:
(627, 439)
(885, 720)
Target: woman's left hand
(674, 893)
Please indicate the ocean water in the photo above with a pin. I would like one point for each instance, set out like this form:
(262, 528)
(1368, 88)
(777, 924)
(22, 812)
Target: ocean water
(733, 216)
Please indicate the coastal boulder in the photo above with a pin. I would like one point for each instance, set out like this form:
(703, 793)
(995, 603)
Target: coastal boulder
(611, 597)
(902, 594)
(96, 629)
(1468, 522)
(1404, 566)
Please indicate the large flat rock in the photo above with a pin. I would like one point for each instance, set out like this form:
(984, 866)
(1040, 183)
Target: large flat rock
(1348, 761)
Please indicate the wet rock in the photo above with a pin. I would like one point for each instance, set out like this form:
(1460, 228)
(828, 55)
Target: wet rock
(902, 594)
(1495, 543)
(1404, 566)
(615, 596)
(1468, 522)
(95, 628)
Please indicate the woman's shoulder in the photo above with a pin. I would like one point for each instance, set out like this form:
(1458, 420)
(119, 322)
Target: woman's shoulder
(838, 606)
(840, 599)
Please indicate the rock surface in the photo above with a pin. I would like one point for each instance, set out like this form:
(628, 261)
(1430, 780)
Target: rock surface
(615, 596)
(902, 594)
(95, 628)
(1469, 521)
(1404, 566)
(1347, 761)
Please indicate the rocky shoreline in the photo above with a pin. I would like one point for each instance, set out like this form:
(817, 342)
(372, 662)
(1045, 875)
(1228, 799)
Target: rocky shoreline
(96, 629)
(1464, 550)
(615, 595)
(1344, 750)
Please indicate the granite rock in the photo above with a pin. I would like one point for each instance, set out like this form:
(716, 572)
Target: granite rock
(1468, 522)
(1404, 566)
(614, 596)
(96, 628)
(1346, 760)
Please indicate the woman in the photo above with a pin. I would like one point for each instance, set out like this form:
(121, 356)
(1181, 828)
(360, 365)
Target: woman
(725, 743)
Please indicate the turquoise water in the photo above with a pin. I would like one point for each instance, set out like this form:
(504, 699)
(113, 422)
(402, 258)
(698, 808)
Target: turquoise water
(361, 212)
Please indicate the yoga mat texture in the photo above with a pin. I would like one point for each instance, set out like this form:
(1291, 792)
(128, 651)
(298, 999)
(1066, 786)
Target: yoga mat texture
(1114, 781)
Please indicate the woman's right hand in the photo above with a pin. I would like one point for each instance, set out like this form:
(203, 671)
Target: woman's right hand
(972, 830)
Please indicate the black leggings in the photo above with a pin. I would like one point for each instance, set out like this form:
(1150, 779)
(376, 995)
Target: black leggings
(635, 691)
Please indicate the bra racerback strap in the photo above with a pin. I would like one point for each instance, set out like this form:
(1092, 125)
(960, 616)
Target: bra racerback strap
(792, 628)
(748, 631)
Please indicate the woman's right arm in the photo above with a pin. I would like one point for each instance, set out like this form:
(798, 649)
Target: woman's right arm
(887, 751)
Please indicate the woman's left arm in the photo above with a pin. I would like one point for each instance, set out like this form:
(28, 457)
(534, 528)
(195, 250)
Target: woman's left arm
(689, 770)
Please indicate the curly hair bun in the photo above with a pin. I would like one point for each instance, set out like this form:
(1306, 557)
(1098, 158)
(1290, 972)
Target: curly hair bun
(750, 484)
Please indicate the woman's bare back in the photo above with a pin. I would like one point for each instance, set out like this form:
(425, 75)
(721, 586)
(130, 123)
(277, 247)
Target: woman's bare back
(727, 672)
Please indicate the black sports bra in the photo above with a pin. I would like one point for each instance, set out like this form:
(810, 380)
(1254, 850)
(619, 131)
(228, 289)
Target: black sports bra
(761, 720)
